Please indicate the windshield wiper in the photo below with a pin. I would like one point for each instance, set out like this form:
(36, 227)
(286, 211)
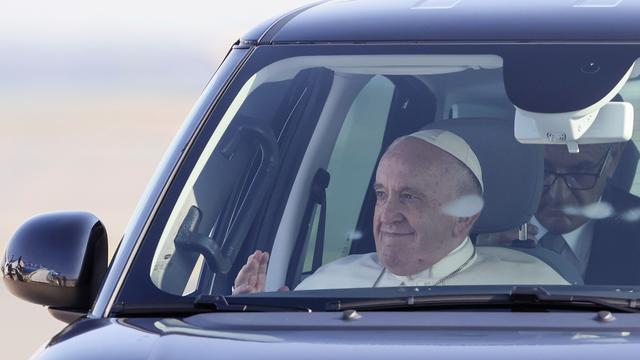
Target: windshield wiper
(523, 298)
(202, 304)
(222, 303)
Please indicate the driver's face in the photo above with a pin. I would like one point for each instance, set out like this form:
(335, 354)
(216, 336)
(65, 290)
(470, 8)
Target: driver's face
(410, 229)
(558, 196)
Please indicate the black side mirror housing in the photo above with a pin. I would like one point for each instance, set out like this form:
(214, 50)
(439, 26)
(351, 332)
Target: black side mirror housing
(58, 260)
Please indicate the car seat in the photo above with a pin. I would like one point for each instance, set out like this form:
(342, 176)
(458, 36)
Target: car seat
(512, 175)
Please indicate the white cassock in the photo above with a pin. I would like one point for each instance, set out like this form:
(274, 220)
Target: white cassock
(489, 265)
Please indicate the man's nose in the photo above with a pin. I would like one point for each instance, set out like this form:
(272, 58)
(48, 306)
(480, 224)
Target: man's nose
(390, 211)
(558, 190)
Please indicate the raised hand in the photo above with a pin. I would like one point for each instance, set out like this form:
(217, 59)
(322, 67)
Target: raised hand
(253, 275)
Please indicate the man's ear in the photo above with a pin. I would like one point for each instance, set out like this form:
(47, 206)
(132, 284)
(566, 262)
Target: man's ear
(463, 225)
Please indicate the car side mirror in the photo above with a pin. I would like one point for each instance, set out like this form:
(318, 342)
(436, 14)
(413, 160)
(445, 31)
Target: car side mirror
(58, 260)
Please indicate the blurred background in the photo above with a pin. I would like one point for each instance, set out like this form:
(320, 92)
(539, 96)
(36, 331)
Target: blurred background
(91, 94)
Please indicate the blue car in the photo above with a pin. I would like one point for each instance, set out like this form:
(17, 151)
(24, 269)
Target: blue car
(377, 179)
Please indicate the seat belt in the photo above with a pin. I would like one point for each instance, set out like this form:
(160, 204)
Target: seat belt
(319, 196)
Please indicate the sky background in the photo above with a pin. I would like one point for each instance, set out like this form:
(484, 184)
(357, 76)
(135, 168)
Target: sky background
(91, 94)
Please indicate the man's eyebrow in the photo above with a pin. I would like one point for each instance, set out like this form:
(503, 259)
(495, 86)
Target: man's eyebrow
(409, 188)
(377, 186)
(413, 191)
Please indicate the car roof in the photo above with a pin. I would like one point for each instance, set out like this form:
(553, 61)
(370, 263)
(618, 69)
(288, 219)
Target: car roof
(454, 20)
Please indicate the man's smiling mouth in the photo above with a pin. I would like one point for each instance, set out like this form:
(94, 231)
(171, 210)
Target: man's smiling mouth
(396, 233)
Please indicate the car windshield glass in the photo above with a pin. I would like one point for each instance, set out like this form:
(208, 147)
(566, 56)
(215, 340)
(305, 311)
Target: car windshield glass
(391, 170)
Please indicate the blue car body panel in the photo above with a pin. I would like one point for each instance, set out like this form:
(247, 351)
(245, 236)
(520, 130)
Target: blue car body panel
(461, 20)
(379, 335)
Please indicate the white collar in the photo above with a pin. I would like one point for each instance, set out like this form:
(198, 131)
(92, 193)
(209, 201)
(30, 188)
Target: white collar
(450, 263)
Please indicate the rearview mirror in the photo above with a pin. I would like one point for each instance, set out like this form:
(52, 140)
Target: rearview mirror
(612, 123)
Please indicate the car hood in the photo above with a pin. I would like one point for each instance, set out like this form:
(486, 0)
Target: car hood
(376, 335)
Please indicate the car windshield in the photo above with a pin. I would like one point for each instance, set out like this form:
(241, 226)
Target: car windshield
(368, 168)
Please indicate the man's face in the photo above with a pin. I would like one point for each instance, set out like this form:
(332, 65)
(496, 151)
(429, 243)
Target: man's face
(410, 230)
(557, 197)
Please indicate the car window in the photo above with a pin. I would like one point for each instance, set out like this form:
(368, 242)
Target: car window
(351, 164)
(390, 170)
(353, 127)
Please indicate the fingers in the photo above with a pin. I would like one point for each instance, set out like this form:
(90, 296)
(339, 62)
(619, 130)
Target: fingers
(246, 275)
(262, 271)
(532, 231)
(253, 275)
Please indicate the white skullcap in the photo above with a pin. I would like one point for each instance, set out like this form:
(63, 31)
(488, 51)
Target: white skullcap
(455, 146)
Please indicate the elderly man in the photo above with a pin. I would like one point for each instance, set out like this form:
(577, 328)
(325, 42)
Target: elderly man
(589, 222)
(429, 194)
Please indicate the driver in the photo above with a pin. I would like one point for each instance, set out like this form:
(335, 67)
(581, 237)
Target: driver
(583, 216)
(429, 194)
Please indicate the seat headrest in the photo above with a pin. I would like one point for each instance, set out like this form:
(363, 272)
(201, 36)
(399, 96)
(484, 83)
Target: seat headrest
(512, 172)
